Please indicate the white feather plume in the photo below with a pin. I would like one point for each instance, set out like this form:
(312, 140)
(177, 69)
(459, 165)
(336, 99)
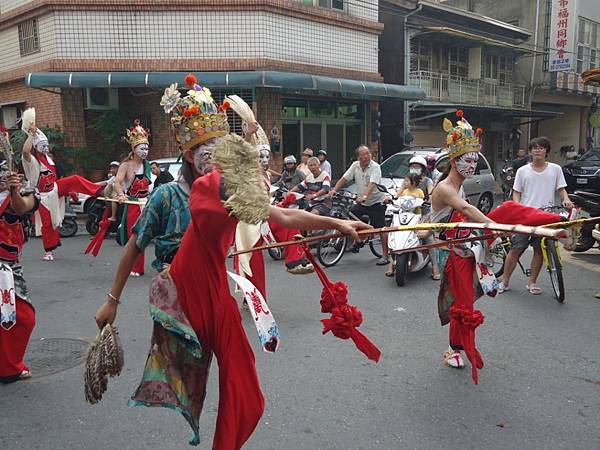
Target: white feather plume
(28, 120)
(241, 108)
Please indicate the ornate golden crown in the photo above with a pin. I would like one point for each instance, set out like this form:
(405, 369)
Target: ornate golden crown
(461, 138)
(196, 118)
(137, 134)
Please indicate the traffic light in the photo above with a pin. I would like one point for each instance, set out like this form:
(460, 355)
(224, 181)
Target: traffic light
(375, 125)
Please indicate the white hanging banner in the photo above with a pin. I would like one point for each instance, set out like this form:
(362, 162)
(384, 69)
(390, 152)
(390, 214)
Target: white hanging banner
(562, 45)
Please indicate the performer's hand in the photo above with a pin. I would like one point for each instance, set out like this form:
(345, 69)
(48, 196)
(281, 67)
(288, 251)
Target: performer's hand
(252, 128)
(350, 227)
(121, 198)
(107, 313)
(13, 181)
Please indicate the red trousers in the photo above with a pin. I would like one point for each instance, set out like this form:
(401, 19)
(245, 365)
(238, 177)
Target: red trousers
(133, 212)
(460, 272)
(73, 183)
(292, 252)
(13, 342)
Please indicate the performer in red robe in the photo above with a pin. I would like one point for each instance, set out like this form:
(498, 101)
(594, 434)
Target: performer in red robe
(17, 316)
(40, 170)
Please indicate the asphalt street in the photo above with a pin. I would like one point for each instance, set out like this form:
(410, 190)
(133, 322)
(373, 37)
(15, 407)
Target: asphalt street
(540, 387)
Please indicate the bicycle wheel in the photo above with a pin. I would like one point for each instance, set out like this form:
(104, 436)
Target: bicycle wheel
(330, 251)
(499, 253)
(375, 246)
(555, 270)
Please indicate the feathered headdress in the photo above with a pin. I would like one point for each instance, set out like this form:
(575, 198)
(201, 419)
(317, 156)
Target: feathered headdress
(28, 126)
(461, 138)
(196, 118)
(260, 139)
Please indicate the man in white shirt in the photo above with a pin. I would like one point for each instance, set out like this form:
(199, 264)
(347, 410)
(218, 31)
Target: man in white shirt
(366, 173)
(537, 185)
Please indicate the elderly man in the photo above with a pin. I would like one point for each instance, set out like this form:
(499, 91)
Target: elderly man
(366, 173)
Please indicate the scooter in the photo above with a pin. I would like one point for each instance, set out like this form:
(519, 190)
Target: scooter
(508, 179)
(96, 212)
(589, 235)
(402, 212)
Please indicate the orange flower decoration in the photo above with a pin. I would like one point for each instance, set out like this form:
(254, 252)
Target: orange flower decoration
(460, 113)
(195, 109)
(188, 112)
(454, 137)
(224, 106)
(478, 132)
(191, 80)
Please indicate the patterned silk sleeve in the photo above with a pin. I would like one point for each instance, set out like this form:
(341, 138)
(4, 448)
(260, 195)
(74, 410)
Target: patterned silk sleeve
(150, 223)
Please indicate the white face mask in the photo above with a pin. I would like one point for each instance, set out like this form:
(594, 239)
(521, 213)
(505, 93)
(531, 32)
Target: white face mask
(264, 157)
(141, 150)
(202, 158)
(467, 163)
(416, 170)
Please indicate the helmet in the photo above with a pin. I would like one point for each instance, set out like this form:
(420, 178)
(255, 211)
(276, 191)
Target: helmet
(114, 163)
(290, 159)
(322, 152)
(417, 159)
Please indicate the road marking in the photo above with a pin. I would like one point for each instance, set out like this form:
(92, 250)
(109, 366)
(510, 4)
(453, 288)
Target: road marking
(400, 309)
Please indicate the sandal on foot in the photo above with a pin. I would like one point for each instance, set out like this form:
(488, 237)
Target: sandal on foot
(435, 277)
(533, 289)
(453, 359)
(503, 288)
(390, 273)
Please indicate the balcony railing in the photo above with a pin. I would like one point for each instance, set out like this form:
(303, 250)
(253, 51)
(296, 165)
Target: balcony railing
(448, 88)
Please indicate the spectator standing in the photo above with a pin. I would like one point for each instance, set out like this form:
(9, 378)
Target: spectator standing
(162, 176)
(521, 160)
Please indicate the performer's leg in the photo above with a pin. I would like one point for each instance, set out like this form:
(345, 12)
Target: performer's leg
(50, 236)
(257, 265)
(13, 343)
(76, 183)
(293, 253)
(241, 403)
(133, 212)
(459, 272)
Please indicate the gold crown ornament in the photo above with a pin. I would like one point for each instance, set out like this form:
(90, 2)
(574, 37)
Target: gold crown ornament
(137, 134)
(196, 118)
(461, 138)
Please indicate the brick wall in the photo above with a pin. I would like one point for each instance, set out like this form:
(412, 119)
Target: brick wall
(267, 107)
(47, 105)
(73, 118)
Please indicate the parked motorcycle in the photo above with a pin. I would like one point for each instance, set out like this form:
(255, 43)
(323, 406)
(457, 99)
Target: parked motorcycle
(67, 229)
(404, 211)
(589, 202)
(96, 212)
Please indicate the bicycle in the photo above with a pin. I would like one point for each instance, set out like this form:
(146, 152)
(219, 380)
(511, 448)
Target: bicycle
(331, 251)
(550, 255)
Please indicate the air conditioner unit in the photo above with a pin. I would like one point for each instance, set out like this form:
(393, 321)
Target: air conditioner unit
(101, 98)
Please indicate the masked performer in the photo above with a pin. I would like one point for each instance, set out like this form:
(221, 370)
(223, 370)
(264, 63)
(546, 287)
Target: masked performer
(195, 315)
(17, 316)
(41, 173)
(467, 273)
(133, 183)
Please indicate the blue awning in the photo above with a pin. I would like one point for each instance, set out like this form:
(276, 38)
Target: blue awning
(288, 81)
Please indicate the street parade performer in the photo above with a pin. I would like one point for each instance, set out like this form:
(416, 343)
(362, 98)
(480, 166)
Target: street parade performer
(132, 183)
(194, 313)
(40, 170)
(17, 316)
(467, 273)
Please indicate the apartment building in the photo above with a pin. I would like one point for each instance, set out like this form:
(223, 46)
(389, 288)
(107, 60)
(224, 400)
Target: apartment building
(308, 67)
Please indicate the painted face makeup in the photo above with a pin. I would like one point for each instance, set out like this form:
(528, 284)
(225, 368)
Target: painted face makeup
(203, 156)
(264, 157)
(467, 163)
(141, 150)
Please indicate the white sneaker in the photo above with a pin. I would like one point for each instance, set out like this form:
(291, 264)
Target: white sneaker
(135, 274)
(48, 256)
(453, 359)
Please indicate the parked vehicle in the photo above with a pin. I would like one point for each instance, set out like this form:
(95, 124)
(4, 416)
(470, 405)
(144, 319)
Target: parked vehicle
(589, 202)
(584, 173)
(403, 211)
(68, 227)
(479, 189)
(508, 179)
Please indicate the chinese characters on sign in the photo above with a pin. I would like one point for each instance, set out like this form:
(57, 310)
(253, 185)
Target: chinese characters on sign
(563, 40)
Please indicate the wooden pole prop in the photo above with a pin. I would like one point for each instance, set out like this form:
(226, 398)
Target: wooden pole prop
(129, 202)
(516, 229)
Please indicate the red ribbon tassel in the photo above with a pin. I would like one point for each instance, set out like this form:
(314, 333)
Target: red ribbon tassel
(345, 318)
(96, 242)
(467, 321)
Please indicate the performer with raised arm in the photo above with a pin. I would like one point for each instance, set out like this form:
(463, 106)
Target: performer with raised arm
(41, 173)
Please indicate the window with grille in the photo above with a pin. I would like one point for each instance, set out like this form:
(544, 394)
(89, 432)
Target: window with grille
(588, 48)
(235, 122)
(29, 41)
(547, 15)
(337, 5)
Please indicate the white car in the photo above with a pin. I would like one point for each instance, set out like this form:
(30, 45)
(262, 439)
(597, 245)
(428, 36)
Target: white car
(170, 164)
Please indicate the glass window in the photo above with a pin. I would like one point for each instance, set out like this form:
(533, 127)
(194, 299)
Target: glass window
(324, 110)
(294, 108)
(337, 4)
(350, 111)
(396, 165)
(28, 37)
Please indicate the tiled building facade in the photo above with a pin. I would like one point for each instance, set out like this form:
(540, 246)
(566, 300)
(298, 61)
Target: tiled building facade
(339, 40)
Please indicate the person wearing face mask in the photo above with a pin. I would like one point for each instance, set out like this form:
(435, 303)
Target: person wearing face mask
(17, 315)
(194, 315)
(291, 175)
(133, 183)
(41, 173)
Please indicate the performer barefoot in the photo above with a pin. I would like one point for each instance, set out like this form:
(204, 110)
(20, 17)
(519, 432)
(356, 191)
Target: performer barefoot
(194, 312)
(17, 316)
(132, 183)
(41, 173)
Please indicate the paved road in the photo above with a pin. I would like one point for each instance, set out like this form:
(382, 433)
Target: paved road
(540, 387)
